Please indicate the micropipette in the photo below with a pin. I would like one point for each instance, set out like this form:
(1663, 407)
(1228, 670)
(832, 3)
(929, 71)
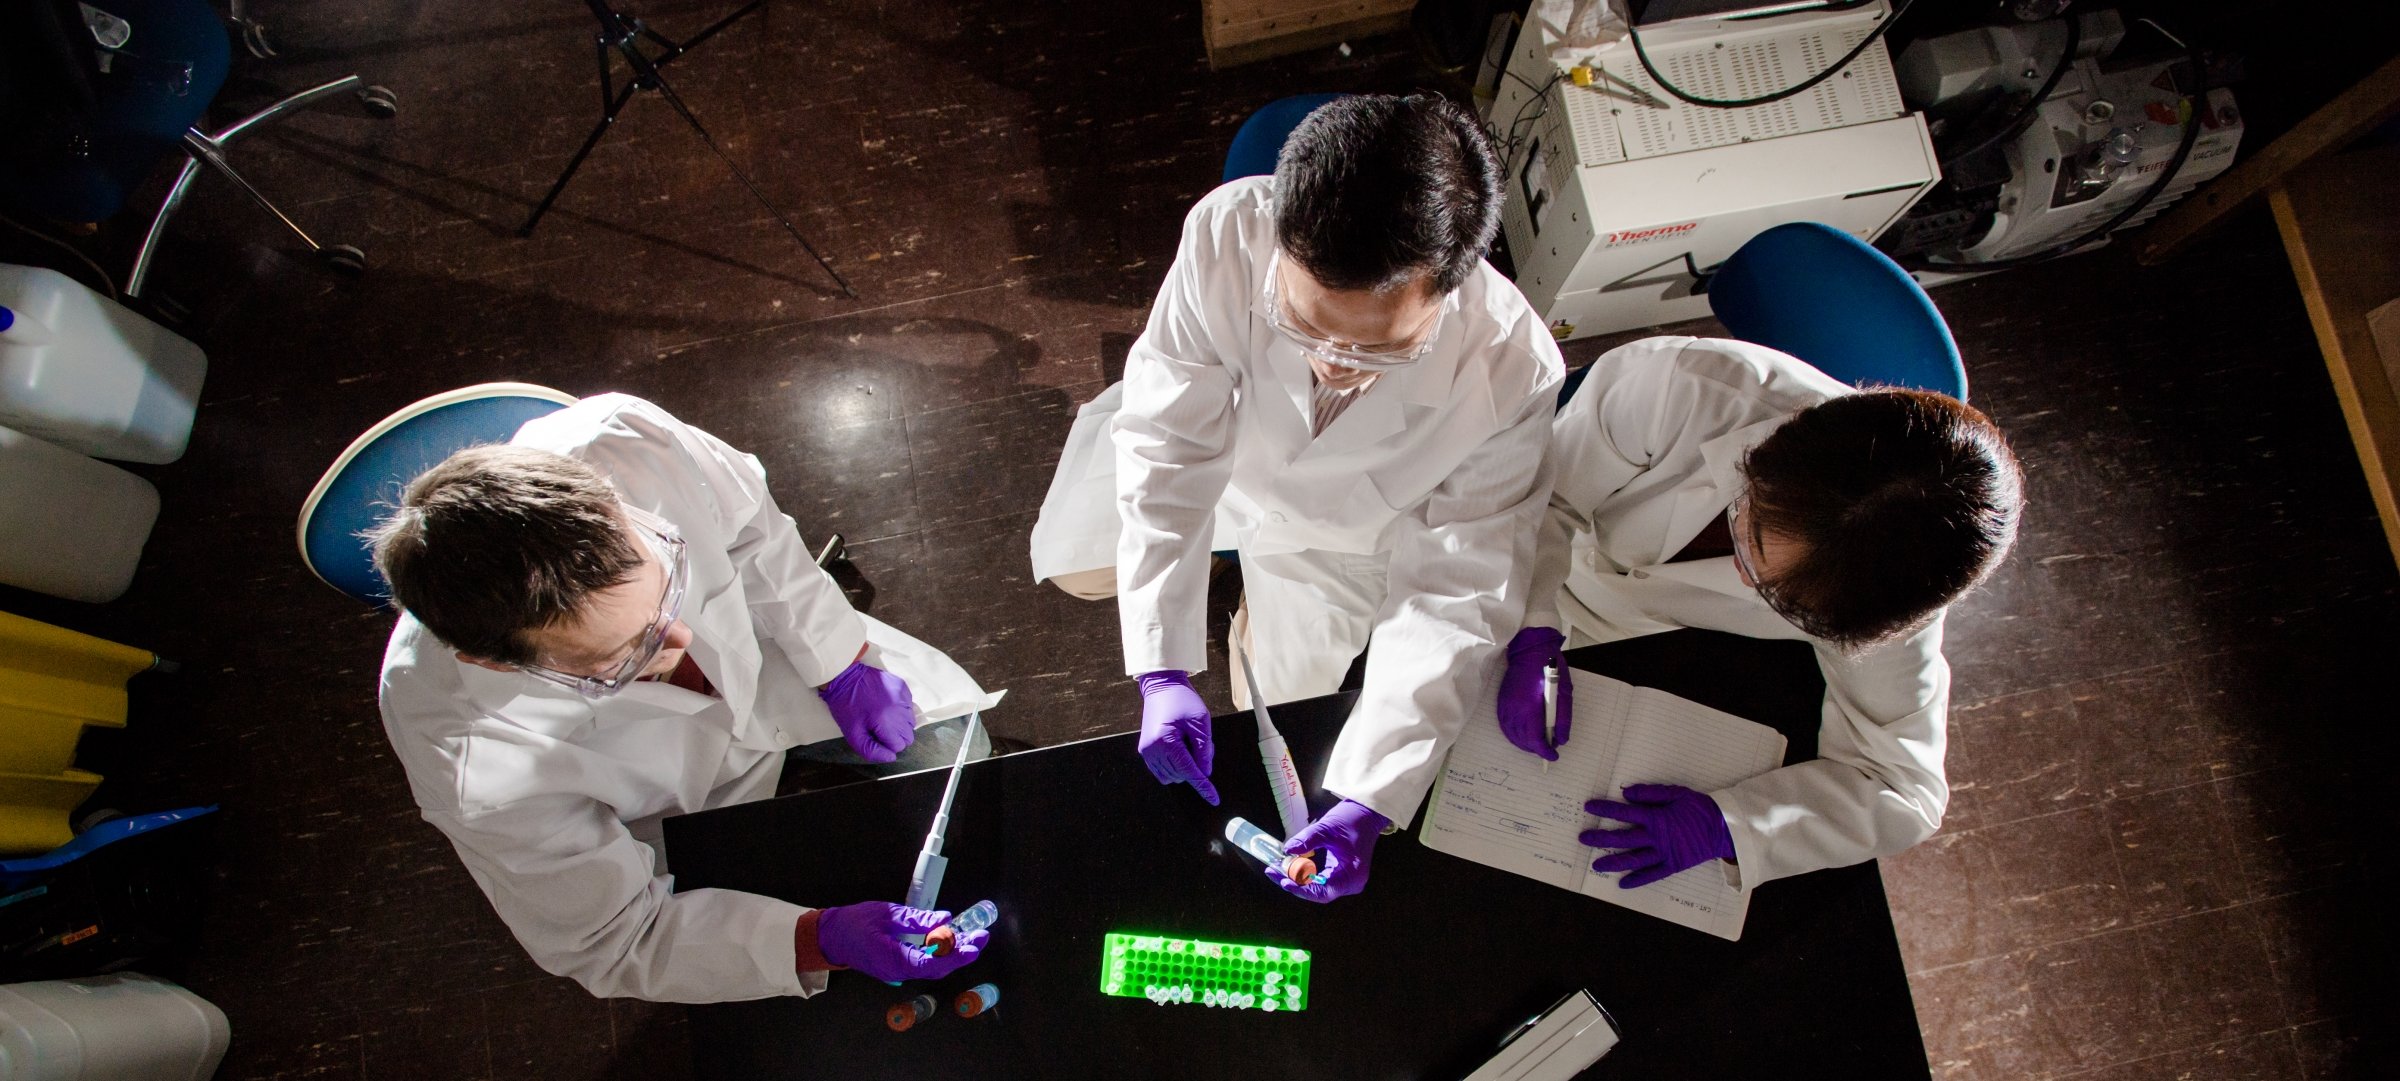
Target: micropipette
(925, 883)
(1283, 779)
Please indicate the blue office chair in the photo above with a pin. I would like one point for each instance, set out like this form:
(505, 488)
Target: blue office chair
(1831, 299)
(85, 137)
(353, 494)
(1260, 138)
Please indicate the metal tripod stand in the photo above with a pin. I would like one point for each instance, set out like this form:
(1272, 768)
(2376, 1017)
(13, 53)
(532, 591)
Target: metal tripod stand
(624, 35)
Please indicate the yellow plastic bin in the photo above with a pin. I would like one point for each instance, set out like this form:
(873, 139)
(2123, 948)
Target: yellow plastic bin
(53, 684)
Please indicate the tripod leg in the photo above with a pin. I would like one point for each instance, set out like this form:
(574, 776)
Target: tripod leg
(606, 120)
(674, 50)
(668, 92)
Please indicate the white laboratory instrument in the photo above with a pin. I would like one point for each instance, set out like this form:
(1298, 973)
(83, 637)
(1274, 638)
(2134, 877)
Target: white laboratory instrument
(1283, 779)
(1555, 1046)
(1621, 197)
(2106, 129)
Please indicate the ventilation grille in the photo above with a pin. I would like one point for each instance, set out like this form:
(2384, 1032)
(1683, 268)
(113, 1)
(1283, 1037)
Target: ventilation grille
(1648, 122)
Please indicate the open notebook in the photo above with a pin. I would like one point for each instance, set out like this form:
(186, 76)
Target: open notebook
(1498, 806)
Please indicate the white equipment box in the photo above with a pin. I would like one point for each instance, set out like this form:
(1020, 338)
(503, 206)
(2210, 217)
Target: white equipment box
(1619, 195)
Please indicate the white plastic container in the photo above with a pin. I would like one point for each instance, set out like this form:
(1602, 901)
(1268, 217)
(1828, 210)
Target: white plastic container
(91, 375)
(120, 1027)
(69, 526)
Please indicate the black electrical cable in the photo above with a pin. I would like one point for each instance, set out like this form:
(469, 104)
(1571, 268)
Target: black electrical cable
(2183, 150)
(2016, 124)
(1743, 103)
(1517, 123)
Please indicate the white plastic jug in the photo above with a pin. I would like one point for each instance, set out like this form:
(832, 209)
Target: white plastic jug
(91, 375)
(120, 1027)
(69, 526)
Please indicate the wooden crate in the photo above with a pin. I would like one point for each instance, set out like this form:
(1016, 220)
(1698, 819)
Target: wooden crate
(1240, 31)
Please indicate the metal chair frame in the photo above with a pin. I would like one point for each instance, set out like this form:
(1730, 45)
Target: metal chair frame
(210, 149)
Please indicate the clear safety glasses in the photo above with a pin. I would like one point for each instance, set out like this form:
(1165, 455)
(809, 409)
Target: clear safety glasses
(1377, 358)
(668, 546)
(1737, 524)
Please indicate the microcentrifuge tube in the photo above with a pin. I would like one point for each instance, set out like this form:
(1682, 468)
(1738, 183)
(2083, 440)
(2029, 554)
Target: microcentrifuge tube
(977, 999)
(1255, 841)
(978, 916)
(905, 1015)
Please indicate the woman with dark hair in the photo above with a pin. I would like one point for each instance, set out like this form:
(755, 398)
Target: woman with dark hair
(1720, 484)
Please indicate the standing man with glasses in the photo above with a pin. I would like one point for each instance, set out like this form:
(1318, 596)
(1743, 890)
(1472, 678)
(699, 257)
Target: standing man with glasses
(1334, 383)
(607, 622)
(1724, 485)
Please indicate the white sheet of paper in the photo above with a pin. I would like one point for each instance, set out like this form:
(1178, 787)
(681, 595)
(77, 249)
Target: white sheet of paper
(1496, 805)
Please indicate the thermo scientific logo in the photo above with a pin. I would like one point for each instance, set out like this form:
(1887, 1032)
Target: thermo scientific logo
(1636, 236)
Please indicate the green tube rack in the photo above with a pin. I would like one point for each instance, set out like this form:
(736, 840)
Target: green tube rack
(1168, 971)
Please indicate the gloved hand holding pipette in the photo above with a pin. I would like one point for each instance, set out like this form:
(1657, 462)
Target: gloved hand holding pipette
(1346, 835)
(866, 937)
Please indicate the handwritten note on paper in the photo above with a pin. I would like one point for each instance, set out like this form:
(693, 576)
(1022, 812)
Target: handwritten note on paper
(1498, 806)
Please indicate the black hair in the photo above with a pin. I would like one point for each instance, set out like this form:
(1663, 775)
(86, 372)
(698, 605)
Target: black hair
(1373, 191)
(1897, 502)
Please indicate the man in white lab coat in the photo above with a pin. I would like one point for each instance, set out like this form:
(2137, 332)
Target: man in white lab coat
(607, 622)
(1334, 383)
(1724, 485)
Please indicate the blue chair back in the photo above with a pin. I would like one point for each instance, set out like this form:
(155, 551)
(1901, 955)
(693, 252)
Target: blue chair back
(368, 477)
(1260, 138)
(1832, 300)
(160, 84)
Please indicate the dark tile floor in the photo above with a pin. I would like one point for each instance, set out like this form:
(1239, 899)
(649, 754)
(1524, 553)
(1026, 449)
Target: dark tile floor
(2170, 759)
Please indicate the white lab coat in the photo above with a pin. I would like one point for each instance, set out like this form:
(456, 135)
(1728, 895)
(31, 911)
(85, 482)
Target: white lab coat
(1411, 517)
(1647, 453)
(554, 801)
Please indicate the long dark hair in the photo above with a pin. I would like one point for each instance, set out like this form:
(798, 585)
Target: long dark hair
(1896, 503)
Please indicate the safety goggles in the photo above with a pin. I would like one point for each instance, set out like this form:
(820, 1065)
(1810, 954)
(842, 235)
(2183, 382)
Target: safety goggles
(1333, 350)
(1737, 525)
(668, 546)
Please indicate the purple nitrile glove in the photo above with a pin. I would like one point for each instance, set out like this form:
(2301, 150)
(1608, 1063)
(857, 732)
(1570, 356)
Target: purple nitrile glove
(1347, 833)
(873, 710)
(1531, 651)
(1673, 828)
(1175, 743)
(866, 937)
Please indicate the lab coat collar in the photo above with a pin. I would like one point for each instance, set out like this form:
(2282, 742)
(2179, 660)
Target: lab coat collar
(548, 710)
(1395, 400)
(523, 701)
(1710, 493)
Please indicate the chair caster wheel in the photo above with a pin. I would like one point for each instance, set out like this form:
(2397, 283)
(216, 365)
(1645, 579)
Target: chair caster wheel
(350, 261)
(254, 38)
(380, 102)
